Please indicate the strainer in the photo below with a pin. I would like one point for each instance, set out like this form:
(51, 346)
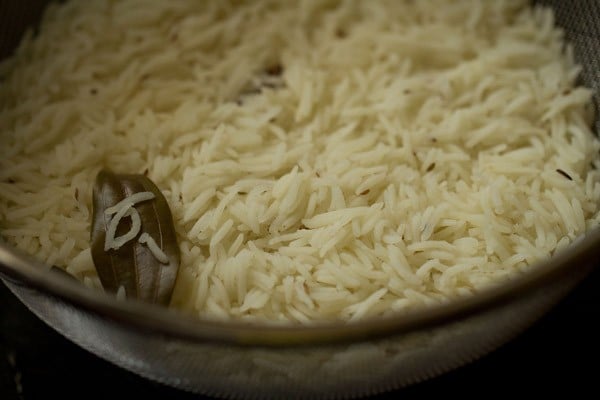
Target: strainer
(328, 361)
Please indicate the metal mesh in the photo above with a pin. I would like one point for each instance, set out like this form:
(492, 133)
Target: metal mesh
(15, 17)
(581, 21)
(192, 367)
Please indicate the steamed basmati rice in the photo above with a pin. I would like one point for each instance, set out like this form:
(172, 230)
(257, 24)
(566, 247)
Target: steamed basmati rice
(322, 159)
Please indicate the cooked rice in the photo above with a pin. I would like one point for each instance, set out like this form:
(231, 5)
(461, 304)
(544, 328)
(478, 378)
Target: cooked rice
(322, 159)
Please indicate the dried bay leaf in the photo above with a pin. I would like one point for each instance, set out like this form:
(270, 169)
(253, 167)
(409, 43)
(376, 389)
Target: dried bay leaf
(134, 265)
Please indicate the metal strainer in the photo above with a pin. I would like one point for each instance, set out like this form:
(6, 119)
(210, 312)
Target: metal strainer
(580, 20)
(330, 361)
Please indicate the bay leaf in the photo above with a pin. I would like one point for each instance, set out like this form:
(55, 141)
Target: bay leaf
(133, 265)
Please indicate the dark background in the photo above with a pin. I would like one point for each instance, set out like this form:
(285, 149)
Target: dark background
(558, 354)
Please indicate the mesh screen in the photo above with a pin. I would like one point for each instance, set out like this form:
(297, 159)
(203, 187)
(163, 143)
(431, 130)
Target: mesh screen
(15, 17)
(581, 22)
